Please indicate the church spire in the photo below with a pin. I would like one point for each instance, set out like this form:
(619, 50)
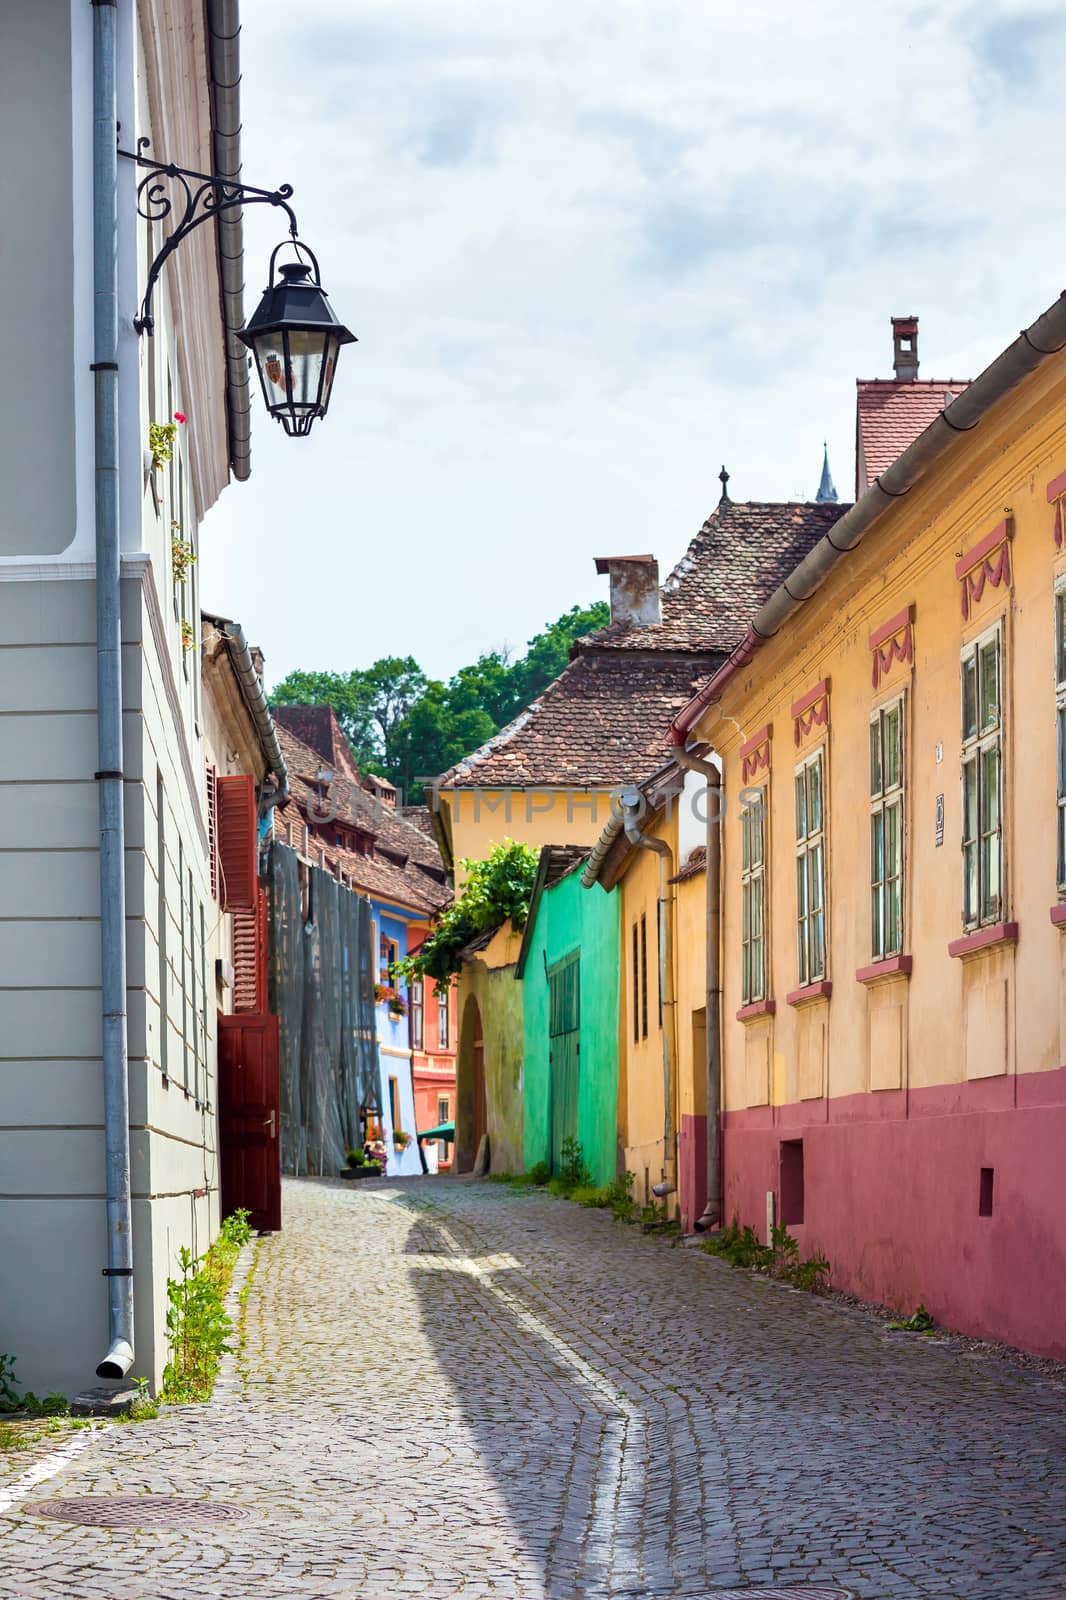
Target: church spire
(827, 494)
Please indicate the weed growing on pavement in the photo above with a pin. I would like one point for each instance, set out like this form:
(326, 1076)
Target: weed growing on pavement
(780, 1259)
(9, 1400)
(197, 1324)
(573, 1171)
(919, 1321)
(12, 1438)
(242, 1313)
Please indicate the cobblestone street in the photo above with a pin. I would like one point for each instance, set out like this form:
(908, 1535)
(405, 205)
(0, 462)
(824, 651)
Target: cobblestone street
(452, 1388)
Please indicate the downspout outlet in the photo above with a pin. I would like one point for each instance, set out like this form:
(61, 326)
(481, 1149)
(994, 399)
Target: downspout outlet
(117, 1362)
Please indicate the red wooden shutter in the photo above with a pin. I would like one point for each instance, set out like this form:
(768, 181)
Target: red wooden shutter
(237, 844)
(212, 826)
(250, 957)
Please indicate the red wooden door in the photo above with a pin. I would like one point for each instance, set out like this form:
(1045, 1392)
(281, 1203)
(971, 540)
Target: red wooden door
(249, 1104)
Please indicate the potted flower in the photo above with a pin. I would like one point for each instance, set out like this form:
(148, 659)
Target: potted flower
(400, 1139)
(397, 1007)
(182, 554)
(382, 992)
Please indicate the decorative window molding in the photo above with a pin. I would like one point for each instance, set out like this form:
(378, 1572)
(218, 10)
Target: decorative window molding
(893, 641)
(878, 971)
(822, 990)
(758, 1008)
(1056, 495)
(984, 939)
(810, 711)
(985, 564)
(755, 755)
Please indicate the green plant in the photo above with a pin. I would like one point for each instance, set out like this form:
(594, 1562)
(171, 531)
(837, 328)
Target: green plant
(780, 1259)
(161, 436)
(496, 890)
(573, 1172)
(197, 1324)
(9, 1400)
(400, 1139)
(355, 1158)
(919, 1321)
(619, 1193)
(188, 636)
(589, 1195)
(397, 1006)
(182, 554)
(143, 1407)
(539, 1174)
(12, 1438)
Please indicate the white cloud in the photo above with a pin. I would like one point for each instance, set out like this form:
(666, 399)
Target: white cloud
(592, 250)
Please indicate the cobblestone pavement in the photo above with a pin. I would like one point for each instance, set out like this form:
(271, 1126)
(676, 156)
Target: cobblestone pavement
(460, 1389)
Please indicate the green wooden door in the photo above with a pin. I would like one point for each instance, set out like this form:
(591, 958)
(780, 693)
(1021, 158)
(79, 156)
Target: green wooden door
(564, 1019)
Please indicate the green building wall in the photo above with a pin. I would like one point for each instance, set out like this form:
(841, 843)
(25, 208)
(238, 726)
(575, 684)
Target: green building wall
(568, 919)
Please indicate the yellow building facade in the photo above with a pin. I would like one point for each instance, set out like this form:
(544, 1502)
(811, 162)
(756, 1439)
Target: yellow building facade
(894, 890)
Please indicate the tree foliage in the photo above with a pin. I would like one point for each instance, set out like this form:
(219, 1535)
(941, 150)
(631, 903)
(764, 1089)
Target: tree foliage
(496, 890)
(408, 727)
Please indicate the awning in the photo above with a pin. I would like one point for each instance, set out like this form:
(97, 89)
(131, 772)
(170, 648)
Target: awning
(443, 1130)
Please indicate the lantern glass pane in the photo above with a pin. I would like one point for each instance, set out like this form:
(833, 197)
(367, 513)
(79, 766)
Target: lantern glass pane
(270, 359)
(306, 361)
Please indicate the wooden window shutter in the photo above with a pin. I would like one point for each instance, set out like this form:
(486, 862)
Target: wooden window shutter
(212, 826)
(237, 843)
(250, 957)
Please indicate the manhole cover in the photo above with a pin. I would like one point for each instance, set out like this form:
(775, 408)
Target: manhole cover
(138, 1511)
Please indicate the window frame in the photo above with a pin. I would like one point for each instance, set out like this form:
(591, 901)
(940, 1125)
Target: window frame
(975, 749)
(810, 845)
(444, 1020)
(885, 799)
(416, 999)
(753, 885)
(643, 974)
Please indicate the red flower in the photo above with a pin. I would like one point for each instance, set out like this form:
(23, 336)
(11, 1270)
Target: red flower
(179, 416)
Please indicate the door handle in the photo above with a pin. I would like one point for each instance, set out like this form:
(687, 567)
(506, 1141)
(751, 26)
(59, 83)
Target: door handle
(269, 1123)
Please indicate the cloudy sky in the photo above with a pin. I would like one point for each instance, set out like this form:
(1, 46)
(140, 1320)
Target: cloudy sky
(593, 250)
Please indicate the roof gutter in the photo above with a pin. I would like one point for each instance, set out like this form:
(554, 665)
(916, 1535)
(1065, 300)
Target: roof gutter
(1043, 338)
(224, 66)
(252, 693)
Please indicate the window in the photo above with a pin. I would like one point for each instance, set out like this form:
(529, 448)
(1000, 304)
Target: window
(444, 1109)
(753, 900)
(394, 1102)
(388, 955)
(636, 984)
(810, 869)
(442, 1021)
(982, 781)
(886, 831)
(643, 976)
(416, 994)
(1060, 724)
(791, 1172)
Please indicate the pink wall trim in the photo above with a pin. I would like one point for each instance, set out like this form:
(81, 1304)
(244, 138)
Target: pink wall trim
(806, 701)
(892, 1182)
(970, 943)
(813, 991)
(750, 746)
(1056, 487)
(893, 967)
(1058, 914)
(692, 1169)
(758, 1008)
(894, 625)
(984, 547)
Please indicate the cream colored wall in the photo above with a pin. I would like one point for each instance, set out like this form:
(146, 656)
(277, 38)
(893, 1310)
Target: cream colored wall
(479, 819)
(950, 1011)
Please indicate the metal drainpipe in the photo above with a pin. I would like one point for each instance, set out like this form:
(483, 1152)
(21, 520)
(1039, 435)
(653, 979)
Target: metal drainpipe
(631, 802)
(119, 1269)
(713, 1210)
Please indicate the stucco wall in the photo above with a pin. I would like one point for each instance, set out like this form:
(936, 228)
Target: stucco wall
(569, 919)
(498, 999)
(480, 819)
(903, 1088)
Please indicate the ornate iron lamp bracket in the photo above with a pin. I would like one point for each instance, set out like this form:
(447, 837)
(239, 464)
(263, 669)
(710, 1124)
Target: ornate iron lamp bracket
(193, 198)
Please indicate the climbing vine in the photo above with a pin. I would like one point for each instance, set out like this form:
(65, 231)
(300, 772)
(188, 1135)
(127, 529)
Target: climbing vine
(496, 890)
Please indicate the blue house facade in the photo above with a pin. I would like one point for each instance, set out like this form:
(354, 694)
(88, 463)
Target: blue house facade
(396, 1075)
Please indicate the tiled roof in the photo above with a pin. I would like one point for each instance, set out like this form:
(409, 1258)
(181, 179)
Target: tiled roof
(890, 414)
(696, 863)
(605, 719)
(735, 562)
(406, 866)
(317, 727)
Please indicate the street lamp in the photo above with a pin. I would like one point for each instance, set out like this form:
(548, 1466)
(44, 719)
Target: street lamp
(294, 334)
(295, 338)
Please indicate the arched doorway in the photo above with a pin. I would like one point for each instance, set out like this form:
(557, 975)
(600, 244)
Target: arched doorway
(471, 1122)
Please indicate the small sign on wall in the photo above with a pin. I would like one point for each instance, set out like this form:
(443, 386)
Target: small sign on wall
(939, 820)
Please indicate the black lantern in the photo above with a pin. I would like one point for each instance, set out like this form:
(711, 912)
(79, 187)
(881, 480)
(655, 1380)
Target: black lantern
(296, 340)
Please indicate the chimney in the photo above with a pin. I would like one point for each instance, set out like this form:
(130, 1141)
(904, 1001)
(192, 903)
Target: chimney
(634, 588)
(905, 348)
